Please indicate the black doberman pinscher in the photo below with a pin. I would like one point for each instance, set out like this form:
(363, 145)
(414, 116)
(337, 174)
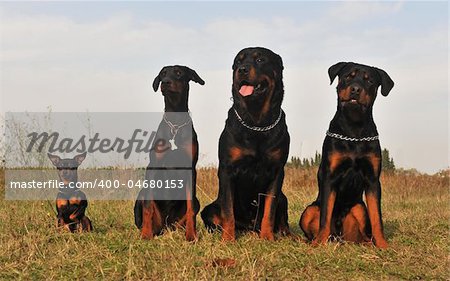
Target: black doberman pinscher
(253, 150)
(71, 202)
(152, 216)
(351, 162)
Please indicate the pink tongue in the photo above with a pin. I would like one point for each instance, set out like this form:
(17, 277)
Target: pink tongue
(246, 90)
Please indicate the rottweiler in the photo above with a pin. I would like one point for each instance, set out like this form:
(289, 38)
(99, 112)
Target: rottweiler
(71, 202)
(351, 162)
(253, 149)
(153, 216)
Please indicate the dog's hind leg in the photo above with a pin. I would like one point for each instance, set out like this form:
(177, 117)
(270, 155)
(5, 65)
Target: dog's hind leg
(86, 224)
(282, 215)
(151, 220)
(309, 221)
(355, 226)
(211, 217)
(191, 232)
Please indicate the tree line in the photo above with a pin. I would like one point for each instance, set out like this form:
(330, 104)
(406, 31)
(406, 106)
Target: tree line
(387, 161)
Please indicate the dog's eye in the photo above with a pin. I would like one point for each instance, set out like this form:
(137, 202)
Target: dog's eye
(259, 60)
(178, 73)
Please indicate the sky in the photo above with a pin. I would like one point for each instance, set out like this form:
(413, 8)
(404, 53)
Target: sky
(103, 56)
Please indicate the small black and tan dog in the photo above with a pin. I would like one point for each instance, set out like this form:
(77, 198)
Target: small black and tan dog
(253, 150)
(71, 202)
(153, 216)
(351, 162)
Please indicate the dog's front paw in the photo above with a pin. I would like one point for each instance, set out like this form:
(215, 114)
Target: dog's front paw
(321, 238)
(268, 235)
(146, 235)
(191, 236)
(228, 231)
(381, 243)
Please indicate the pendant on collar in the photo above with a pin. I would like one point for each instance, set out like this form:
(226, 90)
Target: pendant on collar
(173, 146)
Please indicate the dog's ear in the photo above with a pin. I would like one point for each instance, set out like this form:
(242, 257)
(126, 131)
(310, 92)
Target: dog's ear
(334, 70)
(194, 76)
(279, 63)
(386, 82)
(55, 159)
(156, 82)
(79, 158)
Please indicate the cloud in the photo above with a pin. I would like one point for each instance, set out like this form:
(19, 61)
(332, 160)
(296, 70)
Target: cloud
(352, 11)
(108, 65)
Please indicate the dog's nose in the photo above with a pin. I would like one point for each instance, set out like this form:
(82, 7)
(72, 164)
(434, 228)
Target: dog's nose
(355, 90)
(243, 69)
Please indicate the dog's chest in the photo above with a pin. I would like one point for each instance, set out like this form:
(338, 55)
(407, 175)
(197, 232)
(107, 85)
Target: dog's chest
(254, 168)
(355, 161)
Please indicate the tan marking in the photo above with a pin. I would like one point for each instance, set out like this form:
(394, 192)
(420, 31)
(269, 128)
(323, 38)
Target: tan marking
(74, 200)
(344, 94)
(160, 148)
(374, 161)
(268, 100)
(191, 233)
(228, 229)
(375, 221)
(275, 154)
(237, 153)
(325, 231)
(309, 221)
(147, 222)
(364, 98)
(360, 213)
(151, 221)
(252, 74)
(350, 229)
(335, 159)
(73, 216)
(61, 202)
(266, 223)
(216, 220)
(190, 149)
(86, 224)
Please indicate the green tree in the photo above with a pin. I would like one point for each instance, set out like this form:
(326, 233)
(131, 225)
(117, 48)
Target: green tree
(298, 162)
(387, 162)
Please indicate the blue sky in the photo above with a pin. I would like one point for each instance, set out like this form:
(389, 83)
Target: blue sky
(63, 54)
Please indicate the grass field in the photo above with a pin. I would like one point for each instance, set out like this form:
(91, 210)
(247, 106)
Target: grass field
(415, 208)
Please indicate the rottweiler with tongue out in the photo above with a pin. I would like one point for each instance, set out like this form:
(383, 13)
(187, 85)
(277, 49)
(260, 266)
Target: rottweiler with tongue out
(253, 149)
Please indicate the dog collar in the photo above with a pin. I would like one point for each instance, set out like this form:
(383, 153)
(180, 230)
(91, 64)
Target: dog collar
(341, 137)
(255, 128)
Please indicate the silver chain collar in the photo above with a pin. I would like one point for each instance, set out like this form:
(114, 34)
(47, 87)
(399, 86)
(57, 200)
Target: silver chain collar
(173, 127)
(258, 129)
(341, 137)
(174, 130)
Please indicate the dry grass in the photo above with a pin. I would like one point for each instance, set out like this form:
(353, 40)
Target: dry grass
(415, 209)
